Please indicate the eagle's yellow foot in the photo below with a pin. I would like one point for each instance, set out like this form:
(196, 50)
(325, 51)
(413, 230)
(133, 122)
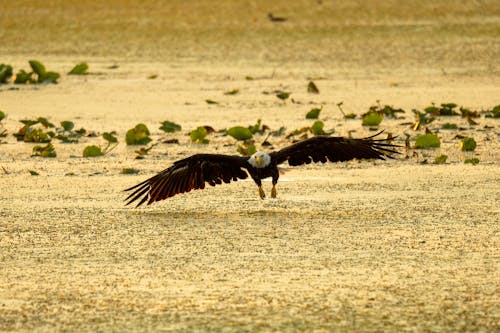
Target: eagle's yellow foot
(273, 192)
(261, 193)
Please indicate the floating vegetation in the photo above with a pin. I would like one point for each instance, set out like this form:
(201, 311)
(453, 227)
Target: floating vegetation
(312, 88)
(493, 113)
(425, 141)
(170, 127)
(441, 159)
(421, 118)
(232, 92)
(44, 151)
(472, 161)
(247, 148)
(129, 171)
(468, 144)
(80, 69)
(139, 135)
(211, 101)
(3, 131)
(6, 73)
(283, 95)
(33, 173)
(198, 135)
(449, 126)
(240, 133)
(372, 118)
(446, 109)
(94, 151)
(314, 113)
(142, 152)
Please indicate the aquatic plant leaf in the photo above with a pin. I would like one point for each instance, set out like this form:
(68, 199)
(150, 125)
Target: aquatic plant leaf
(211, 101)
(92, 151)
(2, 115)
(240, 133)
(36, 135)
(282, 95)
(314, 113)
(372, 119)
(23, 77)
(494, 113)
(109, 137)
(198, 135)
(38, 68)
(67, 125)
(317, 128)
(232, 92)
(472, 161)
(441, 159)
(312, 88)
(139, 135)
(169, 127)
(468, 144)
(33, 173)
(45, 151)
(49, 77)
(449, 126)
(80, 69)
(424, 141)
(247, 149)
(129, 171)
(5, 73)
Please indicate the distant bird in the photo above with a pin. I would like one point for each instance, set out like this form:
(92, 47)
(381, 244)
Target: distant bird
(193, 172)
(273, 18)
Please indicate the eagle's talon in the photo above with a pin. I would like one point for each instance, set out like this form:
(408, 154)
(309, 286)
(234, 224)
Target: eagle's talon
(261, 193)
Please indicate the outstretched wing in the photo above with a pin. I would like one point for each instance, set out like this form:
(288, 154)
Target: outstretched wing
(334, 149)
(188, 174)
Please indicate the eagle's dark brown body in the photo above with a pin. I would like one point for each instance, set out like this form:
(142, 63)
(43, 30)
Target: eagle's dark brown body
(193, 172)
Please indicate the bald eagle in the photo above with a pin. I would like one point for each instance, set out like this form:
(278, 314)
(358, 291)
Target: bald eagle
(193, 172)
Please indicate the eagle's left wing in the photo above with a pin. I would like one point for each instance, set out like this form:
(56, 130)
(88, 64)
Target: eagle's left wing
(334, 149)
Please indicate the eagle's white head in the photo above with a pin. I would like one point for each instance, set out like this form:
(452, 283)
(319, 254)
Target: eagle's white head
(259, 160)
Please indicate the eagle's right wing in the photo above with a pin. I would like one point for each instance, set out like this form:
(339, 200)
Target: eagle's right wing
(188, 174)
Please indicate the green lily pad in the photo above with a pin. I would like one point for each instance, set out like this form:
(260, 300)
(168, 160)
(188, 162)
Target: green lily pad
(317, 128)
(312, 88)
(169, 127)
(23, 77)
(441, 159)
(427, 141)
(5, 73)
(240, 133)
(468, 144)
(472, 161)
(80, 69)
(372, 119)
(198, 135)
(67, 125)
(129, 171)
(2, 115)
(92, 151)
(139, 135)
(314, 113)
(45, 151)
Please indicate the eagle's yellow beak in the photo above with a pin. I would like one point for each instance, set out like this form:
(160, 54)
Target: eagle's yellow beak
(258, 159)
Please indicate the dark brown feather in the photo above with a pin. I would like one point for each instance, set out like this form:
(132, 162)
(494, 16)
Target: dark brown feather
(188, 174)
(335, 149)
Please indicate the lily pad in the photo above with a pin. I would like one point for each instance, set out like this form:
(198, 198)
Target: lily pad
(198, 135)
(92, 151)
(472, 161)
(314, 113)
(317, 128)
(139, 135)
(45, 151)
(468, 144)
(372, 119)
(80, 69)
(5, 73)
(240, 133)
(2, 115)
(67, 125)
(169, 127)
(23, 77)
(441, 159)
(129, 171)
(312, 88)
(424, 141)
